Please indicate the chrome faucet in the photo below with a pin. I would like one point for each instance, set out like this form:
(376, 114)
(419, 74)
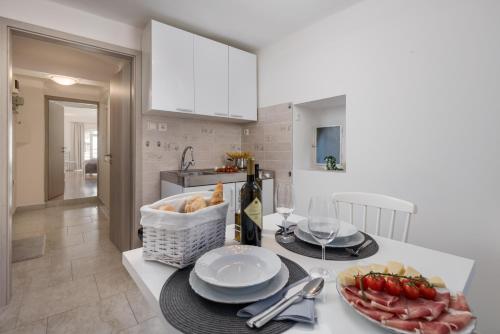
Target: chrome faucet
(185, 165)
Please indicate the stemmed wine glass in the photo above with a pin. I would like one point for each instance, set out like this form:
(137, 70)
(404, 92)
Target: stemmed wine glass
(323, 227)
(284, 202)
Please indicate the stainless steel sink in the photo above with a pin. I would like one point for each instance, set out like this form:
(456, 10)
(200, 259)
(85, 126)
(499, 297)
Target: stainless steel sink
(202, 177)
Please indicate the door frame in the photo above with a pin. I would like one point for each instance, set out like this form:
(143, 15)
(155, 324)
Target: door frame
(7, 27)
(48, 98)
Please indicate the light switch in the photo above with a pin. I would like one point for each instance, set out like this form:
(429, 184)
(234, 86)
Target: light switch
(162, 127)
(151, 126)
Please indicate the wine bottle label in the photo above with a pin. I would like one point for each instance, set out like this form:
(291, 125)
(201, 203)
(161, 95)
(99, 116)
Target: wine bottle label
(254, 212)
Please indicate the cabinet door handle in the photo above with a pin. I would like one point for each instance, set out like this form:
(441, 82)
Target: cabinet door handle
(236, 115)
(220, 114)
(184, 109)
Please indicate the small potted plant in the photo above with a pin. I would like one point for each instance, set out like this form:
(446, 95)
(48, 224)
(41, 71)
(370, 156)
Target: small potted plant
(331, 162)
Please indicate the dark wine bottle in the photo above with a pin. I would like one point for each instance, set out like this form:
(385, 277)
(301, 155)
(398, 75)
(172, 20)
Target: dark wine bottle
(251, 209)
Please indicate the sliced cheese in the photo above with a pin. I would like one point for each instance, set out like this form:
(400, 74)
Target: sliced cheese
(378, 268)
(363, 270)
(411, 272)
(394, 267)
(437, 282)
(346, 278)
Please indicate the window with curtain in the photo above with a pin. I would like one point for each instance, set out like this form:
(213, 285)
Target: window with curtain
(90, 144)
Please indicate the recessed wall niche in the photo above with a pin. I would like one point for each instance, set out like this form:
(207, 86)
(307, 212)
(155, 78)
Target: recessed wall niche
(319, 133)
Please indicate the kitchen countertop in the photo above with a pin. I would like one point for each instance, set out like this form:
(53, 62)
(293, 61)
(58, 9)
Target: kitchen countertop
(202, 177)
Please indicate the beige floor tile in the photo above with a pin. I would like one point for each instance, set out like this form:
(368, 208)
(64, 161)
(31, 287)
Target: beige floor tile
(88, 227)
(139, 305)
(41, 303)
(60, 241)
(55, 272)
(81, 251)
(75, 221)
(37, 327)
(113, 282)
(9, 313)
(151, 326)
(96, 264)
(107, 316)
(39, 262)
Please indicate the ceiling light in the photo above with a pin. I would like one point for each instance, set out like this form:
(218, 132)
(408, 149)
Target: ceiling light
(65, 81)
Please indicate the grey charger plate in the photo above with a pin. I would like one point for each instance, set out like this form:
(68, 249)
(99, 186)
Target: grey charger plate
(190, 313)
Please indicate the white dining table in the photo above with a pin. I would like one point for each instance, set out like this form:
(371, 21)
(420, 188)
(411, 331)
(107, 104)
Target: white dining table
(333, 315)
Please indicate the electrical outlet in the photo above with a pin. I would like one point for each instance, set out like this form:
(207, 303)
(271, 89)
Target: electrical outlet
(162, 127)
(246, 132)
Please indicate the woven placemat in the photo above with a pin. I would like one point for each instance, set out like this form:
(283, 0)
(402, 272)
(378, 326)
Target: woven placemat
(334, 254)
(190, 313)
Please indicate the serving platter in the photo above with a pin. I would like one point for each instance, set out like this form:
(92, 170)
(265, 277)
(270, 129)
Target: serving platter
(467, 330)
(237, 266)
(240, 295)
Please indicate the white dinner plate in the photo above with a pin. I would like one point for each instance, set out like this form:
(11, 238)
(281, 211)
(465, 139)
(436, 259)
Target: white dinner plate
(467, 330)
(351, 241)
(237, 266)
(240, 295)
(346, 229)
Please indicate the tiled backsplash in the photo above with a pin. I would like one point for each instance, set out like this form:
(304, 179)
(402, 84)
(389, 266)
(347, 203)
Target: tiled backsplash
(270, 140)
(164, 139)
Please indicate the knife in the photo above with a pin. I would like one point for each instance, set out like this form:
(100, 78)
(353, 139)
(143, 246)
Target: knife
(292, 292)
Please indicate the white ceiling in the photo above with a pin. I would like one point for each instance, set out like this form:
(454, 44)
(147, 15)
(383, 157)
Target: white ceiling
(53, 58)
(249, 24)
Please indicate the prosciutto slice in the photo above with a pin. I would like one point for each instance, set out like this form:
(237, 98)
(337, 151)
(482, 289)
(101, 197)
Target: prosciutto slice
(456, 321)
(423, 308)
(398, 307)
(459, 303)
(406, 325)
(354, 299)
(380, 298)
(374, 314)
(434, 327)
(443, 297)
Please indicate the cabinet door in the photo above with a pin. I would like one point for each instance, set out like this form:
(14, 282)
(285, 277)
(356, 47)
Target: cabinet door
(210, 77)
(242, 85)
(267, 196)
(172, 69)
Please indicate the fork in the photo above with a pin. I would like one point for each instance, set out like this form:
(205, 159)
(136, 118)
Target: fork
(355, 253)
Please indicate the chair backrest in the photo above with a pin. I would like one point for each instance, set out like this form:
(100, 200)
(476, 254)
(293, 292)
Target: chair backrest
(379, 202)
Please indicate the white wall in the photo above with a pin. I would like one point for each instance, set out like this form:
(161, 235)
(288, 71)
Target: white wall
(58, 17)
(422, 81)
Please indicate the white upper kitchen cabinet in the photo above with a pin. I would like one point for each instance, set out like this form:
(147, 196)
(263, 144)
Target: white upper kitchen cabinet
(168, 56)
(242, 85)
(210, 77)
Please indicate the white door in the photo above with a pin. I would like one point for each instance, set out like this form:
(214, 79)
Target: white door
(172, 69)
(210, 77)
(242, 85)
(55, 186)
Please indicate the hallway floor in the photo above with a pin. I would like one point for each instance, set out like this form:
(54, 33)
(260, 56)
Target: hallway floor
(79, 285)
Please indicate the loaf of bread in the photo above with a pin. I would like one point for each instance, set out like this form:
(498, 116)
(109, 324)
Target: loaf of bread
(195, 203)
(167, 207)
(217, 195)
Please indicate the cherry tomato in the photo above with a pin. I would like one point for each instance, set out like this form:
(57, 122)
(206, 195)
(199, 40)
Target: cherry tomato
(375, 282)
(393, 286)
(427, 292)
(411, 291)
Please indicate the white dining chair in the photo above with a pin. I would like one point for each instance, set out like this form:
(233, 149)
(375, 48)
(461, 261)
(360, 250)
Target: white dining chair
(379, 202)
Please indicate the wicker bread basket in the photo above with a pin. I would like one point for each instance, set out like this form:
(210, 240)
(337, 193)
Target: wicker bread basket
(179, 239)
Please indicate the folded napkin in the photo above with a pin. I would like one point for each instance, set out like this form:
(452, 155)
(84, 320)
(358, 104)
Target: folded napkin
(302, 311)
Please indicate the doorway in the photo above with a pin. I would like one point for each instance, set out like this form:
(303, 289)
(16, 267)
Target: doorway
(125, 216)
(72, 149)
